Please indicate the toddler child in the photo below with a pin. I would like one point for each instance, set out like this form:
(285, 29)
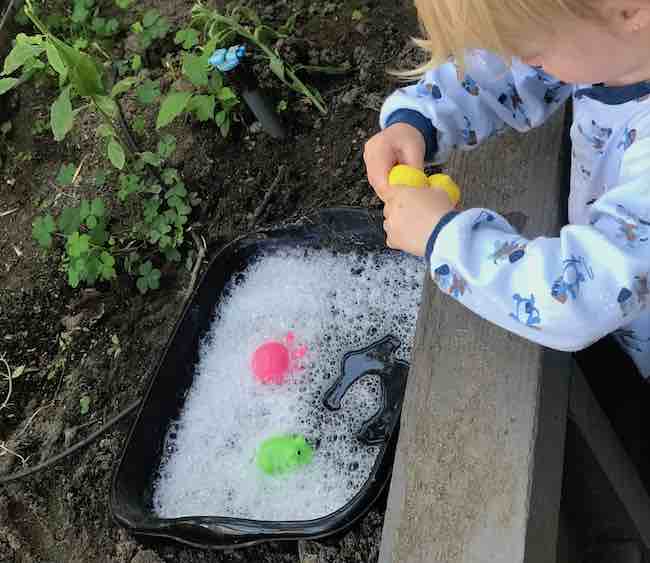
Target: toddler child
(513, 63)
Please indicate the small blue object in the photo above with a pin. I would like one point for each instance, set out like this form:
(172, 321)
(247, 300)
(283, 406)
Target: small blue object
(226, 60)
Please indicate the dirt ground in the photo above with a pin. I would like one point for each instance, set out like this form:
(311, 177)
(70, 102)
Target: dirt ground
(100, 343)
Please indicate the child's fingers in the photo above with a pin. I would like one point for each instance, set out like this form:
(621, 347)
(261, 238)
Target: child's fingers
(388, 225)
(378, 166)
(384, 192)
(411, 155)
(399, 144)
(389, 240)
(389, 204)
(380, 157)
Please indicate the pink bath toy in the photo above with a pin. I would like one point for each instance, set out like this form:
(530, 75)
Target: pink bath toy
(273, 360)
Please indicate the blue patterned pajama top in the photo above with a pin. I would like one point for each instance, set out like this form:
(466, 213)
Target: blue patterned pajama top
(592, 280)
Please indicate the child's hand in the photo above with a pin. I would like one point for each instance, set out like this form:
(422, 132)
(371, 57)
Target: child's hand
(398, 144)
(411, 214)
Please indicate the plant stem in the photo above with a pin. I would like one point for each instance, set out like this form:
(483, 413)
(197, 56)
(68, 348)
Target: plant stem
(116, 134)
(297, 85)
(127, 250)
(29, 12)
(98, 48)
(125, 128)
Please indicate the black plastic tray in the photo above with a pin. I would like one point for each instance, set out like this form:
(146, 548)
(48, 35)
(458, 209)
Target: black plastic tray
(340, 229)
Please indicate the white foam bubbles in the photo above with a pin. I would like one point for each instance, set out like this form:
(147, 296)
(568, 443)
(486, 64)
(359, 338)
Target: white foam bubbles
(332, 303)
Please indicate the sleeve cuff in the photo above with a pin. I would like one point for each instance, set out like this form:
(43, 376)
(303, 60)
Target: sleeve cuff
(422, 124)
(446, 219)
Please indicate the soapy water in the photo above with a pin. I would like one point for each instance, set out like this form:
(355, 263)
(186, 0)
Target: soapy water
(331, 304)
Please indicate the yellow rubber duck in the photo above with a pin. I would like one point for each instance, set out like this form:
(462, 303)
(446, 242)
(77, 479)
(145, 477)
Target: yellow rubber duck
(403, 175)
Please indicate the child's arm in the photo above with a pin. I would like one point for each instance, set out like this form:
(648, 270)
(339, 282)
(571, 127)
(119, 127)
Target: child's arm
(565, 292)
(452, 113)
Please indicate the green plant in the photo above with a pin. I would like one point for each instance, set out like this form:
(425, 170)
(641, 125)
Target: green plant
(160, 202)
(136, 63)
(209, 98)
(25, 56)
(20, 17)
(187, 38)
(243, 22)
(152, 27)
(154, 194)
(163, 200)
(86, 24)
(39, 127)
(105, 27)
(53, 19)
(79, 75)
(202, 93)
(149, 277)
(100, 178)
(139, 125)
(90, 250)
(81, 10)
(148, 91)
(88, 254)
(66, 174)
(84, 404)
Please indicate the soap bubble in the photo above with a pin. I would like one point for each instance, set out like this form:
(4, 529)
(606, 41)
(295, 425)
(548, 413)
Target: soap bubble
(332, 303)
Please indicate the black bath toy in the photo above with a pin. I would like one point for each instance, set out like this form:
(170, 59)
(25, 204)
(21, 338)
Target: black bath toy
(376, 359)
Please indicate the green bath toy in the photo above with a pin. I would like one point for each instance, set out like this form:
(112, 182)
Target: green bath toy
(283, 454)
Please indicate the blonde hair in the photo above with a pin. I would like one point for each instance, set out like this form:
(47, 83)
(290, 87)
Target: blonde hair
(452, 26)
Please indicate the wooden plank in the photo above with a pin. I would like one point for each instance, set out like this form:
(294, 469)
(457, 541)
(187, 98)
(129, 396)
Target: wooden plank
(599, 435)
(479, 465)
(597, 518)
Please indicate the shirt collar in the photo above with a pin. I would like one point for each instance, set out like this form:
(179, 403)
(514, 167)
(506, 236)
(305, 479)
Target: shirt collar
(614, 95)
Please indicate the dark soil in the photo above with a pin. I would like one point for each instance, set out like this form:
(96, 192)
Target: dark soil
(101, 343)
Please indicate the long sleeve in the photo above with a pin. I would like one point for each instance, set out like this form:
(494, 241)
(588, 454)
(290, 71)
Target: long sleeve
(565, 292)
(453, 113)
